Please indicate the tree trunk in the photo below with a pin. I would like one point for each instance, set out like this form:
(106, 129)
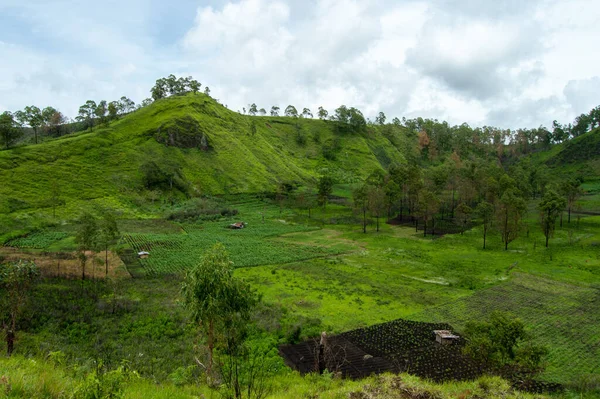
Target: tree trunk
(561, 217)
(425, 227)
(377, 217)
(106, 259)
(547, 235)
(401, 209)
(569, 219)
(211, 344)
(484, 234)
(364, 220)
(10, 341)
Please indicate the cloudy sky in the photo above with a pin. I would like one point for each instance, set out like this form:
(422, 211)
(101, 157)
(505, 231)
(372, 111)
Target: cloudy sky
(507, 63)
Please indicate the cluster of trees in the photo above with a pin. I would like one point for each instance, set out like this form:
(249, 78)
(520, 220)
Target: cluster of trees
(173, 86)
(456, 192)
(95, 235)
(48, 120)
(103, 112)
(53, 123)
(347, 118)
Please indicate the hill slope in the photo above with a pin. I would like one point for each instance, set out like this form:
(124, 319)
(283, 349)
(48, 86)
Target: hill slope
(580, 155)
(211, 148)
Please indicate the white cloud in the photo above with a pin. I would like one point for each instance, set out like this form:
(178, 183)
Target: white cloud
(503, 62)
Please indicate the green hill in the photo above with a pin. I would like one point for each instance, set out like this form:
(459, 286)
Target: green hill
(580, 156)
(207, 148)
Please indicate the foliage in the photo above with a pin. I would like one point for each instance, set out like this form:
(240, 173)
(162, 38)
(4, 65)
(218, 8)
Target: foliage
(16, 281)
(500, 342)
(324, 187)
(9, 133)
(217, 301)
(550, 208)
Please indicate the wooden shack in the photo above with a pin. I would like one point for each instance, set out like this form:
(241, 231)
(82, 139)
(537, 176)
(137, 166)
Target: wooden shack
(445, 337)
(238, 225)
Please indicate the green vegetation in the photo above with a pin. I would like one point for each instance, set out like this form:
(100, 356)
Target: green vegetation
(468, 212)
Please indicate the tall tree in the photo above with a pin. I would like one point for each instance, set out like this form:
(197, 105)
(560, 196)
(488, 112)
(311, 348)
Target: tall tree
(463, 213)
(291, 111)
(360, 197)
(253, 109)
(428, 206)
(56, 124)
(571, 188)
(159, 90)
(207, 91)
(510, 211)
(551, 205)
(274, 110)
(322, 113)
(377, 204)
(86, 238)
(101, 110)
(325, 187)
(113, 110)
(485, 211)
(16, 282)
(306, 113)
(86, 113)
(380, 119)
(214, 296)
(34, 119)
(194, 85)
(109, 233)
(9, 132)
(262, 111)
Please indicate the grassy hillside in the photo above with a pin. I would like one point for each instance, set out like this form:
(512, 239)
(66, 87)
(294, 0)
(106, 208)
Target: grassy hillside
(104, 162)
(580, 156)
(215, 150)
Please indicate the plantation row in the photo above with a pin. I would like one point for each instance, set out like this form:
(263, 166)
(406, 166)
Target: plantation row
(568, 327)
(174, 253)
(37, 240)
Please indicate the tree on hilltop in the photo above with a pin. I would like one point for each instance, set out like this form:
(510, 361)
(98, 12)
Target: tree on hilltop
(291, 111)
(9, 132)
(274, 110)
(322, 113)
(253, 109)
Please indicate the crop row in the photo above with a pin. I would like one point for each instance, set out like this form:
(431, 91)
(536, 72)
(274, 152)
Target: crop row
(174, 253)
(37, 240)
(569, 327)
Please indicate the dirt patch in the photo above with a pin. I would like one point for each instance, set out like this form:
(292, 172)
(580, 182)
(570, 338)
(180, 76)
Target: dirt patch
(68, 265)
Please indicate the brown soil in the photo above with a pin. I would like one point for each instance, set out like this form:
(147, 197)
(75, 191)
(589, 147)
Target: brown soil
(67, 264)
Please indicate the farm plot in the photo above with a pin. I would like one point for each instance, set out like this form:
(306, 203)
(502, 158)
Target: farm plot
(563, 317)
(397, 346)
(37, 240)
(252, 246)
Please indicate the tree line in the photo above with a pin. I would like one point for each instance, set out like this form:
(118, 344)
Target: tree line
(450, 197)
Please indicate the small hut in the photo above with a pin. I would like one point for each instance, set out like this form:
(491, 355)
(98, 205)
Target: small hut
(143, 254)
(445, 337)
(238, 225)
